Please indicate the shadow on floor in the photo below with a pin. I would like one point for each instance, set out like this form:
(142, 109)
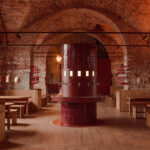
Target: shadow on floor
(6, 144)
(22, 124)
(30, 116)
(47, 111)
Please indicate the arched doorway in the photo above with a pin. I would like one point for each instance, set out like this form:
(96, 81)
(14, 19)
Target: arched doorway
(103, 71)
(103, 63)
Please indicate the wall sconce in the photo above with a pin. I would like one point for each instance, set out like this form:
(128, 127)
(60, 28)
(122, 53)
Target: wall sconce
(58, 58)
(7, 78)
(16, 79)
(138, 80)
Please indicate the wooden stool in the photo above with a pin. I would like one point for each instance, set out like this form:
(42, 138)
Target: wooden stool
(13, 113)
(20, 108)
(21, 103)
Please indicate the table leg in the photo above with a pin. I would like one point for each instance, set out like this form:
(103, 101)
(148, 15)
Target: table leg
(130, 108)
(27, 108)
(8, 118)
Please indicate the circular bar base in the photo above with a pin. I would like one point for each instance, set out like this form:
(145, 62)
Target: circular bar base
(78, 110)
(78, 113)
(58, 122)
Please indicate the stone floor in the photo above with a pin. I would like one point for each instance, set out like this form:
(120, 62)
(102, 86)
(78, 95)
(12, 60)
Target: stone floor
(117, 131)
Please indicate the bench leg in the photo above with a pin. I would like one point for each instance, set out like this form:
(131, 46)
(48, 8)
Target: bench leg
(130, 110)
(21, 112)
(14, 118)
(134, 112)
(8, 119)
(27, 109)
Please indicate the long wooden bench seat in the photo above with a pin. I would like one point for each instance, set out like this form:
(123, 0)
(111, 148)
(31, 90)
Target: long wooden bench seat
(137, 102)
(122, 95)
(45, 99)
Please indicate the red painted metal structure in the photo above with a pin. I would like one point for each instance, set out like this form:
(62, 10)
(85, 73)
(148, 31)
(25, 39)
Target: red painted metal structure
(79, 97)
(35, 77)
(122, 75)
(104, 80)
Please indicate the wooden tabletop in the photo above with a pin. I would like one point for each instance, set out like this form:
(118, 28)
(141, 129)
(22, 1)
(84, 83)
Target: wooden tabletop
(13, 97)
(139, 98)
(8, 104)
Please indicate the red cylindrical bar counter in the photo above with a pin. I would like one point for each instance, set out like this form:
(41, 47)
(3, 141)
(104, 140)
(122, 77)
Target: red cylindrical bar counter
(78, 74)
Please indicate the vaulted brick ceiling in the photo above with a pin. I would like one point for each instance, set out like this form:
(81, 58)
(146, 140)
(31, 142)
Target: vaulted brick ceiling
(20, 13)
(74, 15)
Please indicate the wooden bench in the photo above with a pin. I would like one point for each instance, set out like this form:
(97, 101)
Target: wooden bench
(13, 115)
(138, 109)
(135, 103)
(43, 100)
(20, 108)
(22, 103)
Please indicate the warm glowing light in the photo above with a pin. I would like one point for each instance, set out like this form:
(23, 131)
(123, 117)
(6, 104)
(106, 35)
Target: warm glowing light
(93, 73)
(87, 73)
(79, 73)
(71, 73)
(58, 58)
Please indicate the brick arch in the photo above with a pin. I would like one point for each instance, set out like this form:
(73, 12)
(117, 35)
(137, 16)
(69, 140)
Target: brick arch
(60, 22)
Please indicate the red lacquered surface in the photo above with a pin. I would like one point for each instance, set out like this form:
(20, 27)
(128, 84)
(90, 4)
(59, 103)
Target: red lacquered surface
(78, 57)
(104, 76)
(53, 88)
(78, 113)
(78, 99)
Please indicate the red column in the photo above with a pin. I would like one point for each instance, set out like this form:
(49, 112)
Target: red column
(78, 99)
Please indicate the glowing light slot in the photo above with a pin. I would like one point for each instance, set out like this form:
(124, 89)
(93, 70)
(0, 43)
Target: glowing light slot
(65, 73)
(79, 73)
(93, 73)
(71, 73)
(87, 73)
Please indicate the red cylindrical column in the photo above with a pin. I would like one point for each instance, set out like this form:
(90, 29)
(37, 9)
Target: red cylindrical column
(78, 80)
(78, 70)
(78, 99)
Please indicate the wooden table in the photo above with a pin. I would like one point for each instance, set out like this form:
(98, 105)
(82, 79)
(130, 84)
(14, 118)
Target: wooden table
(17, 98)
(137, 101)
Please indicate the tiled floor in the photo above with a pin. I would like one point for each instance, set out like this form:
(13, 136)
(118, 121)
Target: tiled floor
(116, 132)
